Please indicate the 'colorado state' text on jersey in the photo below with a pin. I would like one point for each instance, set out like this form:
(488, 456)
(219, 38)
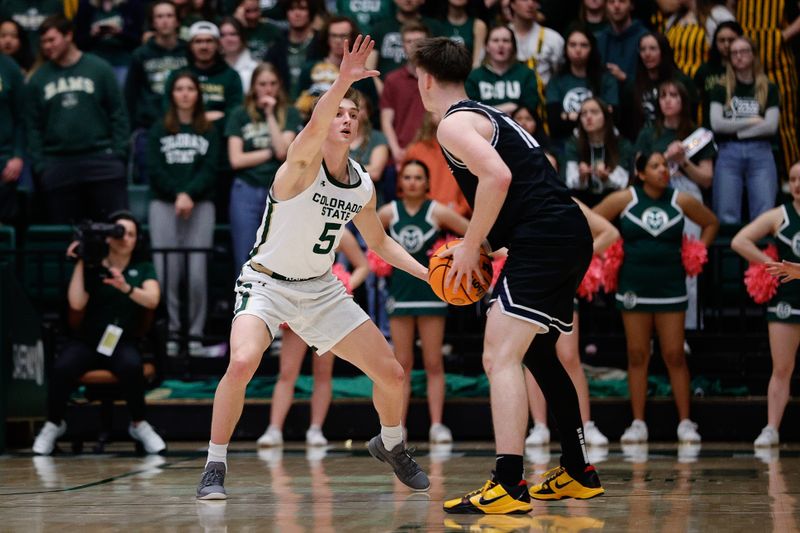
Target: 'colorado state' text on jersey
(538, 207)
(298, 237)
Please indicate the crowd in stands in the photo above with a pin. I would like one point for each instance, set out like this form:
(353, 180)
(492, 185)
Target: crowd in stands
(199, 100)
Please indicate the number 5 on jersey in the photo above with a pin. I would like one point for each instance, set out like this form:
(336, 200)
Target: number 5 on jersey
(327, 239)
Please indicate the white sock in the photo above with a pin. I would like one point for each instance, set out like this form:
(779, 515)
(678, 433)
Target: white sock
(217, 453)
(315, 427)
(391, 436)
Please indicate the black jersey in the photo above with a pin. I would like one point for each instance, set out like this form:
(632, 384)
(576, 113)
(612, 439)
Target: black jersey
(538, 207)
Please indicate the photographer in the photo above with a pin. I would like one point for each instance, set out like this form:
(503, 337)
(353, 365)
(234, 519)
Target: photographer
(106, 304)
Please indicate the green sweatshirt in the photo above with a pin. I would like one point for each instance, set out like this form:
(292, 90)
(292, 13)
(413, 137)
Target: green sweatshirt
(183, 162)
(261, 38)
(12, 138)
(518, 84)
(221, 85)
(144, 86)
(75, 111)
(256, 136)
(30, 14)
(366, 12)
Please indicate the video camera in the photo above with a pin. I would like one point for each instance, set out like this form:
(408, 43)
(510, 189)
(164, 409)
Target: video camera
(93, 247)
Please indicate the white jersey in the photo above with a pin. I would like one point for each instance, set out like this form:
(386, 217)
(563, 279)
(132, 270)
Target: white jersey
(298, 237)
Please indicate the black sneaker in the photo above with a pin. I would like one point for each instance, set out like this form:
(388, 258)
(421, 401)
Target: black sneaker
(405, 468)
(211, 484)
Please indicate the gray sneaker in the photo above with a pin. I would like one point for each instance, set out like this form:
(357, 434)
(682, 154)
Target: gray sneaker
(211, 484)
(404, 466)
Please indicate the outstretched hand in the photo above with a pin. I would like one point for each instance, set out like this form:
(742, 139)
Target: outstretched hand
(786, 271)
(353, 63)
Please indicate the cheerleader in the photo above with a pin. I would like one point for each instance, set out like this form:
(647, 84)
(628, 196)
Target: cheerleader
(783, 310)
(652, 290)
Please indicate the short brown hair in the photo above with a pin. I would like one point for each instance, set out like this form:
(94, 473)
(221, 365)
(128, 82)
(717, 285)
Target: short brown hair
(59, 22)
(444, 59)
(415, 26)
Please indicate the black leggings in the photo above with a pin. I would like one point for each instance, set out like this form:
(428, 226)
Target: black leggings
(77, 358)
(562, 399)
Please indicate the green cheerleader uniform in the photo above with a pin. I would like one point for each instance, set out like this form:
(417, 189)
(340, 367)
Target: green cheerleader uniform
(410, 296)
(652, 277)
(785, 305)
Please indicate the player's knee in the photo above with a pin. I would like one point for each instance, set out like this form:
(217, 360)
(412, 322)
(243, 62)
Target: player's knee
(243, 363)
(394, 375)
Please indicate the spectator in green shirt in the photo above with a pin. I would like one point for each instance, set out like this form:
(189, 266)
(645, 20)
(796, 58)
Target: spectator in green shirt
(259, 133)
(77, 130)
(100, 306)
(597, 161)
(144, 88)
(183, 152)
(581, 77)
(502, 81)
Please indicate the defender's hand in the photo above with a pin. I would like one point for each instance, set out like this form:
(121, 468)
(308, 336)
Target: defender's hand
(352, 67)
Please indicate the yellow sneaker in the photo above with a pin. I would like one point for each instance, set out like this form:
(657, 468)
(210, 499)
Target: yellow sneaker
(492, 498)
(557, 484)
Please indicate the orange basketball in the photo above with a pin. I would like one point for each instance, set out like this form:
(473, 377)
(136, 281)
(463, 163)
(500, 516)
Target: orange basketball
(462, 295)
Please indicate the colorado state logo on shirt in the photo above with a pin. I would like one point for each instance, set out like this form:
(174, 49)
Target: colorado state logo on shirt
(654, 218)
(574, 98)
(411, 238)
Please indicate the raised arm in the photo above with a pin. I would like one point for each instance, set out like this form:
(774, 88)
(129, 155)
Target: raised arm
(306, 147)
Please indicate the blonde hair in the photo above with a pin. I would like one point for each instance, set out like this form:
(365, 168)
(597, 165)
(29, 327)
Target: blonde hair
(761, 80)
(251, 104)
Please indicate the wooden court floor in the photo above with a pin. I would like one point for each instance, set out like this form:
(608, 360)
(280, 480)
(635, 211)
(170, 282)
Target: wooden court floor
(660, 488)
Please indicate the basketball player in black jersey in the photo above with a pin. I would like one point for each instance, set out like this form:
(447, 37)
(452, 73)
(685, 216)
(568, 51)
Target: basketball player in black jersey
(519, 203)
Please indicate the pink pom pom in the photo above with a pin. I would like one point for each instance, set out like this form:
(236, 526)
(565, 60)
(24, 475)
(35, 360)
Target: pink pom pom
(377, 265)
(592, 280)
(612, 261)
(693, 255)
(439, 243)
(760, 284)
(341, 272)
(497, 266)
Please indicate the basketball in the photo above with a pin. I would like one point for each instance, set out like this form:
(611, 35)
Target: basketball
(462, 295)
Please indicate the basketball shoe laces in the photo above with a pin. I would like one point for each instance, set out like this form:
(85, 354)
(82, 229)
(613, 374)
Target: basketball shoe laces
(407, 462)
(214, 476)
(551, 474)
(486, 486)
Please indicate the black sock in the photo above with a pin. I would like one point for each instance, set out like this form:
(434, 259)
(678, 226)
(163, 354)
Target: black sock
(562, 400)
(508, 469)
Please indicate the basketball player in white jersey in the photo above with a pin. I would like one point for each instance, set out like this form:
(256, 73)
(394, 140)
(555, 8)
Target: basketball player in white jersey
(317, 190)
